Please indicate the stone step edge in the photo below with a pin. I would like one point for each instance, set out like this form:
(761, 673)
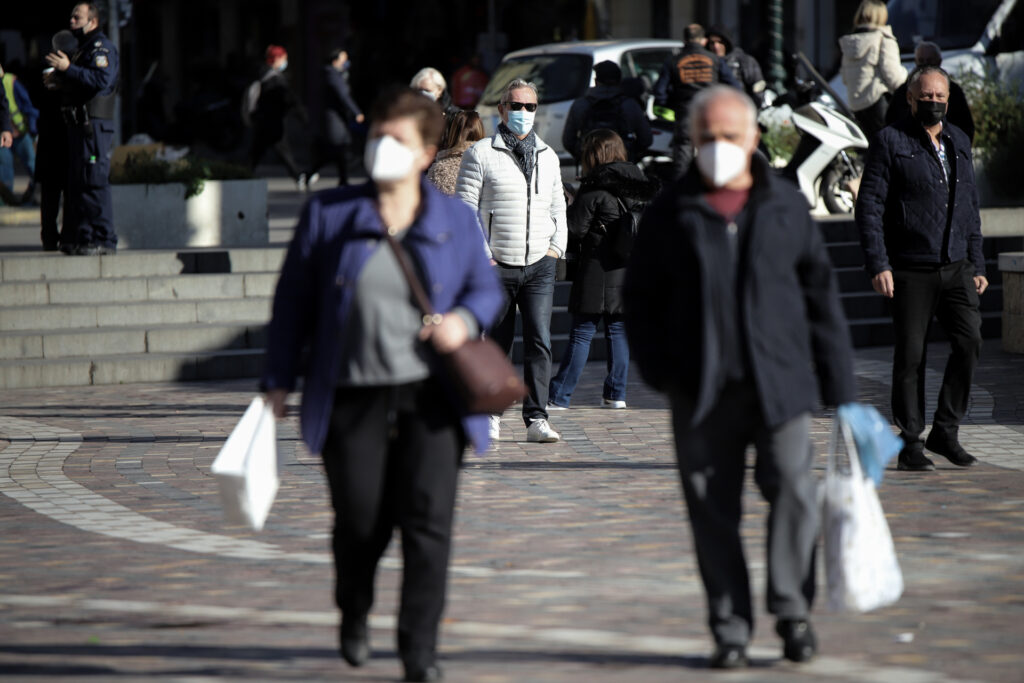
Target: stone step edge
(155, 327)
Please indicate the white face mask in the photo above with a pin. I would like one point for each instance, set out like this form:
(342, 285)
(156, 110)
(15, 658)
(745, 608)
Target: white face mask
(387, 159)
(720, 162)
(429, 94)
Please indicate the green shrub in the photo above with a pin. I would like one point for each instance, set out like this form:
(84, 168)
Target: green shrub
(998, 110)
(781, 141)
(192, 172)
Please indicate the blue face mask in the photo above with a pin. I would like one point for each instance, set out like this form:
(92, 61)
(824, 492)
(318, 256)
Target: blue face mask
(283, 65)
(520, 122)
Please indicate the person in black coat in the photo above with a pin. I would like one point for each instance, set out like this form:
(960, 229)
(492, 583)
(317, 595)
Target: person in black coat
(607, 105)
(958, 113)
(732, 309)
(276, 101)
(600, 219)
(339, 110)
(744, 67)
(920, 227)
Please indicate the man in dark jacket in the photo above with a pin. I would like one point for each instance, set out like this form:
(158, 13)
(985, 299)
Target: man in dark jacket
(340, 109)
(732, 310)
(685, 74)
(743, 66)
(276, 101)
(958, 113)
(919, 224)
(607, 106)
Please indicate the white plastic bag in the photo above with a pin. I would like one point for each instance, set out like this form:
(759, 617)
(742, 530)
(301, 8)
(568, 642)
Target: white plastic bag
(246, 467)
(861, 568)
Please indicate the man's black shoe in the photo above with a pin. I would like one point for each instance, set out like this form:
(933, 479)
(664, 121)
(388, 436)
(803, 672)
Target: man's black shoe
(913, 459)
(950, 449)
(728, 657)
(430, 672)
(69, 249)
(355, 643)
(798, 641)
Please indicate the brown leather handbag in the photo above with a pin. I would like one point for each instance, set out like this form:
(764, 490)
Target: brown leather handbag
(481, 372)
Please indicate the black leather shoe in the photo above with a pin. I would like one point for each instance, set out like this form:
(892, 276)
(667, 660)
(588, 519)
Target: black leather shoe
(798, 641)
(950, 449)
(355, 643)
(728, 657)
(429, 672)
(913, 459)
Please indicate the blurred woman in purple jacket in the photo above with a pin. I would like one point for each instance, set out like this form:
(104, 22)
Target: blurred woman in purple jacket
(375, 402)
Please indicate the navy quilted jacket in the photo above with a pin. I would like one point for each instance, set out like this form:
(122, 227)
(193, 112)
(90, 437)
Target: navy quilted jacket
(901, 209)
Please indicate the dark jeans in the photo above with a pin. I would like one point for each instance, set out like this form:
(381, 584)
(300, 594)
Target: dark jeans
(324, 153)
(949, 294)
(575, 359)
(872, 119)
(392, 456)
(712, 466)
(262, 142)
(530, 288)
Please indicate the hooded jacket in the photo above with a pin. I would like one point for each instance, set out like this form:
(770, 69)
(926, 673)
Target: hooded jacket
(593, 218)
(521, 220)
(871, 65)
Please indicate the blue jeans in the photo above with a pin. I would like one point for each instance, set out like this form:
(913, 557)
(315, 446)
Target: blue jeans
(583, 328)
(531, 288)
(26, 151)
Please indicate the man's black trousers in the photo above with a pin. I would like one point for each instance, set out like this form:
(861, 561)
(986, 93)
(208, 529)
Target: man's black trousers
(948, 293)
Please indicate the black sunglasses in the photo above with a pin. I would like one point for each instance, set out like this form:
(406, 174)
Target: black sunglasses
(516, 106)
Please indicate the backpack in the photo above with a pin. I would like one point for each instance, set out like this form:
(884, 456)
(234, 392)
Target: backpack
(251, 97)
(608, 114)
(625, 228)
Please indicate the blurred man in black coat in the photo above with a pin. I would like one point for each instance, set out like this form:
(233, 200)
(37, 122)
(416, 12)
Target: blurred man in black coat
(339, 110)
(732, 309)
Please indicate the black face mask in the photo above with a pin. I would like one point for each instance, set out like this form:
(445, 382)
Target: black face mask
(929, 113)
(78, 33)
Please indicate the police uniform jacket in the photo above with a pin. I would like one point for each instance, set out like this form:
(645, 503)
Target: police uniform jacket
(93, 72)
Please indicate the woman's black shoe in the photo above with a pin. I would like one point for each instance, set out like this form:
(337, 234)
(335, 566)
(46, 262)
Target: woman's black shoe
(355, 643)
(798, 641)
(728, 657)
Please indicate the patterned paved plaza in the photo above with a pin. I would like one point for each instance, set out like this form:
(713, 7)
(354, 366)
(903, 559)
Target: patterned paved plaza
(572, 561)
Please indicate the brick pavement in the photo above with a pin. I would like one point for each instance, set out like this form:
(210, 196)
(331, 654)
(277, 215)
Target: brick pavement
(572, 561)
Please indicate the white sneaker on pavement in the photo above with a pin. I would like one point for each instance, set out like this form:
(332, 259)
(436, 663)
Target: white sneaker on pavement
(495, 427)
(609, 403)
(540, 431)
(311, 181)
(552, 406)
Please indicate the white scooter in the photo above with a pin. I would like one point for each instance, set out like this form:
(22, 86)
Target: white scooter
(825, 164)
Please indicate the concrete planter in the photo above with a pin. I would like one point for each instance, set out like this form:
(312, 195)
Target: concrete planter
(229, 213)
(1011, 266)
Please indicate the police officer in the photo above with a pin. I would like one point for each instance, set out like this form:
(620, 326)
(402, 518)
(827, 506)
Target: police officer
(87, 82)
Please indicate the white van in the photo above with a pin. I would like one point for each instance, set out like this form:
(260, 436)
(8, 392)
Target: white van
(564, 71)
(974, 36)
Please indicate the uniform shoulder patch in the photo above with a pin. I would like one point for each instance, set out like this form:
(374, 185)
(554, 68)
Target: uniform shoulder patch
(97, 44)
(101, 61)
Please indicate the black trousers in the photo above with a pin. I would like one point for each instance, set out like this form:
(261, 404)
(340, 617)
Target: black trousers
(392, 456)
(947, 293)
(324, 152)
(262, 141)
(712, 466)
(51, 191)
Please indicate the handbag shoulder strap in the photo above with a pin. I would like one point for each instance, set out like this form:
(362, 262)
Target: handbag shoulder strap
(418, 293)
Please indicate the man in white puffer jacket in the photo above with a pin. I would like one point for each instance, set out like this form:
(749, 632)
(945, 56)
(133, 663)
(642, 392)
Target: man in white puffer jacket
(514, 182)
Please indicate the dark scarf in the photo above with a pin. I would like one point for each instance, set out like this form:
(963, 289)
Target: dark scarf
(523, 150)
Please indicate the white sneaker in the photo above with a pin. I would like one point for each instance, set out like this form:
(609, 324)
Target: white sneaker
(311, 181)
(541, 432)
(495, 427)
(609, 403)
(552, 406)
(300, 182)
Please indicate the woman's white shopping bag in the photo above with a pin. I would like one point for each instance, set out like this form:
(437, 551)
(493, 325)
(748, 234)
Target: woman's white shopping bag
(246, 467)
(861, 568)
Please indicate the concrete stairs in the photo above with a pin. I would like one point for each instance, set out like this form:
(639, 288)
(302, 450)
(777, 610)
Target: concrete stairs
(134, 317)
(868, 312)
